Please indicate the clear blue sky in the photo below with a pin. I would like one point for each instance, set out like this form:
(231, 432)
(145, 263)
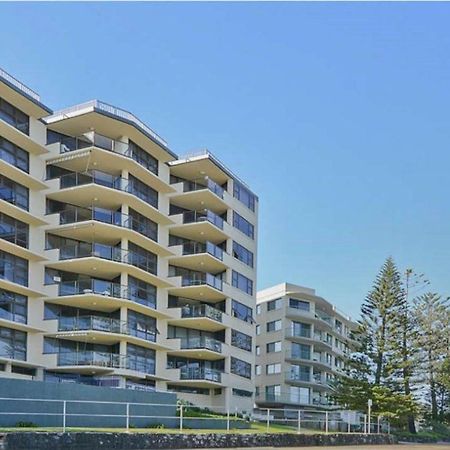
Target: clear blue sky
(336, 114)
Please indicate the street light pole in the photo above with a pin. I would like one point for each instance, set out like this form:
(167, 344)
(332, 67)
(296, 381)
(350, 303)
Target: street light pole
(369, 407)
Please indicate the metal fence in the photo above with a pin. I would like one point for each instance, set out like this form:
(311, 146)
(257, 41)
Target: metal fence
(63, 414)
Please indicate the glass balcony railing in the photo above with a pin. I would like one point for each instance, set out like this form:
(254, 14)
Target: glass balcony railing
(191, 311)
(190, 186)
(297, 332)
(203, 216)
(79, 214)
(323, 338)
(203, 342)
(93, 358)
(296, 376)
(110, 181)
(200, 373)
(107, 289)
(13, 317)
(88, 249)
(200, 278)
(194, 248)
(107, 325)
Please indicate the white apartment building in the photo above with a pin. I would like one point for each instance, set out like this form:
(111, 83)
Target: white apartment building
(301, 341)
(122, 264)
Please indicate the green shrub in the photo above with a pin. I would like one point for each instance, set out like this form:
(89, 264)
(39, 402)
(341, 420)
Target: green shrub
(158, 426)
(423, 437)
(25, 425)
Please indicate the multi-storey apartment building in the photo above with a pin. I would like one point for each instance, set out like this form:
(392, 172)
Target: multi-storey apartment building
(121, 264)
(301, 341)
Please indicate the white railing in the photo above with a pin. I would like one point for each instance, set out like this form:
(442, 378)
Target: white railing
(19, 85)
(110, 109)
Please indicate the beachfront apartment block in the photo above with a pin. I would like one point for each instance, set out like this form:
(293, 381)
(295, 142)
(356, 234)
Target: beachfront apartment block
(122, 264)
(301, 345)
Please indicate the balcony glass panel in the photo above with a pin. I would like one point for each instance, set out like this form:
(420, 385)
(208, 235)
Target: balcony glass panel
(203, 216)
(202, 342)
(208, 311)
(200, 373)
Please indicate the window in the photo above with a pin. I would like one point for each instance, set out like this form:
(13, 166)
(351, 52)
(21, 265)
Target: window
(142, 326)
(14, 193)
(243, 225)
(143, 191)
(241, 392)
(273, 347)
(301, 329)
(13, 306)
(13, 344)
(242, 254)
(258, 330)
(13, 230)
(275, 325)
(272, 369)
(242, 311)
(14, 155)
(299, 304)
(300, 351)
(14, 116)
(241, 282)
(300, 373)
(143, 225)
(274, 304)
(258, 350)
(241, 368)
(141, 359)
(257, 369)
(142, 258)
(273, 392)
(258, 309)
(143, 158)
(299, 394)
(141, 292)
(244, 195)
(241, 340)
(187, 389)
(13, 268)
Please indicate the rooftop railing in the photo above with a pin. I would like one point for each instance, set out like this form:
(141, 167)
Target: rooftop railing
(19, 85)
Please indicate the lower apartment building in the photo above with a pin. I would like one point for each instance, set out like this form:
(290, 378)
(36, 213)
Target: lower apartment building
(122, 264)
(301, 343)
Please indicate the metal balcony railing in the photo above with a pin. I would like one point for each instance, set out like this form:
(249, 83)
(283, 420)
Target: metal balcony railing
(191, 186)
(15, 198)
(200, 278)
(92, 358)
(203, 216)
(194, 248)
(200, 373)
(202, 342)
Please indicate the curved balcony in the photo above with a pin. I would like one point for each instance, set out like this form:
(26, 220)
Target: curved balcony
(198, 373)
(192, 255)
(197, 286)
(200, 317)
(202, 193)
(307, 358)
(93, 359)
(110, 225)
(80, 188)
(199, 226)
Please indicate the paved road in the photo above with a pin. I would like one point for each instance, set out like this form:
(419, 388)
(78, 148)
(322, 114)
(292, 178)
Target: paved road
(367, 447)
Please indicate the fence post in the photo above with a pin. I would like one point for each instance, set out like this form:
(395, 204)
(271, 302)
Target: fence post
(326, 422)
(369, 425)
(378, 424)
(365, 423)
(389, 427)
(228, 420)
(64, 416)
(348, 426)
(181, 417)
(299, 421)
(128, 417)
(268, 420)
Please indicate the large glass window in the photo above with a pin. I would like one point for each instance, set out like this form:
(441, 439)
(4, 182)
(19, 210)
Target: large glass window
(141, 292)
(244, 195)
(13, 230)
(241, 282)
(274, 325)
(13, 344)
(242, 311)
(273, 347)
(243, 225)
(14, 155)
(143, 191)
(301, 329)
(13, 193)
(299, 304)
(241, 392)
(299, 395)
(241, 340)
(274, 304)
(14, 116)
(142, 326)
(273, 392)
(143, 158)
(300, 373)
(141, 359)
(13, 268)
(143, 225)
(142, 258)
(241, 368)
(300, 351)
(13, 306)
(242, 254)
(272, 369)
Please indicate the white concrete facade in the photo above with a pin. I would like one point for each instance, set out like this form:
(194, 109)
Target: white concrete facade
(122, 264)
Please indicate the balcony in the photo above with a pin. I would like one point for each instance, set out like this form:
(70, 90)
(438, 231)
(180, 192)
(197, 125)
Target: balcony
(92, 358)
(13, 197)
(200, 311)
(92, 323)
(196, 285)
(297, 333)
(293, 376)
(203, 343)
(77, 258)
(199, 226)
(199, 373)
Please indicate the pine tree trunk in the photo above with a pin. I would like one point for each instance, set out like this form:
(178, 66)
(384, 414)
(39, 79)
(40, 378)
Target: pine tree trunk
(434, 405)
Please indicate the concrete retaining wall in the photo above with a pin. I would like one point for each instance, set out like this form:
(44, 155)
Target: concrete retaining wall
(140, 441)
